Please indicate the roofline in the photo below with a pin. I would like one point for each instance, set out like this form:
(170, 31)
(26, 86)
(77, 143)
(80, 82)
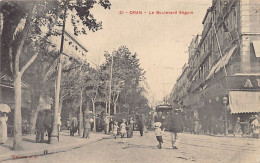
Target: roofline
(204, 19)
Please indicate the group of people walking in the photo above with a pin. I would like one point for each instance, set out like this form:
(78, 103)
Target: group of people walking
(73, 125)
(175, 127)
(125, 128)
(249, 127)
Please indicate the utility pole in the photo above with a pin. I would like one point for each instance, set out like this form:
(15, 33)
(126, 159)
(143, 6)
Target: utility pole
(57, 92)
(110, 86)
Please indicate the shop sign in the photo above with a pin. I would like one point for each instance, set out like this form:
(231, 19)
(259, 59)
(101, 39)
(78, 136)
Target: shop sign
(243, 82)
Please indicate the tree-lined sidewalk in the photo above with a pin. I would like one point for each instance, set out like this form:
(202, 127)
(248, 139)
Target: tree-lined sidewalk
(31, 148)
(27, 27)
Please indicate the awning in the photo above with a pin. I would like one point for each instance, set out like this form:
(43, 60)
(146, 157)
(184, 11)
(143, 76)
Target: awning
(257, 47)
(244, 101)
(221, 63)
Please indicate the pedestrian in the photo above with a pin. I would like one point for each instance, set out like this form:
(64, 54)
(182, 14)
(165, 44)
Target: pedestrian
(115, 129)
(158, 133)
(130, 128)
(256, 127)
(39, 127)
(111, 123)
(68, 124)
(141, 125)
(73, 126)
(251, 119)
(87, 127)
(48, 124)
(92, 123)
(234, 119)
(107, 118)
(3, 127)
(176, 127)
(197, 126)
(123, 128)
(244, 125)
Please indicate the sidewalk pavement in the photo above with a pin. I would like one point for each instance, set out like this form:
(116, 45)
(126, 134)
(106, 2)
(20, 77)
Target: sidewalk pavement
(32, 149)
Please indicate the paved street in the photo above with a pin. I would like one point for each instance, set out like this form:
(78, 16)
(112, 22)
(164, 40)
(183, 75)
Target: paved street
(193, 148)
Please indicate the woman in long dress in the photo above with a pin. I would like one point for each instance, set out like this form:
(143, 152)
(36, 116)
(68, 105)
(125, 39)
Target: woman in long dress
(130, 128)
(3, 127)
(256, 127)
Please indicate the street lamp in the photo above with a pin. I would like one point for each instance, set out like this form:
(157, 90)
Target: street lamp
(225, 101)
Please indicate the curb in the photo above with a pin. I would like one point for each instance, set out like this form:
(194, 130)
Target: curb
(34, 153)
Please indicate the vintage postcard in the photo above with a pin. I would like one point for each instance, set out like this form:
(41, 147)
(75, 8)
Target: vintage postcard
(95, 81)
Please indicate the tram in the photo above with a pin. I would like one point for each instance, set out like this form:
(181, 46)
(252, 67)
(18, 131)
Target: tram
(164, 108)
(163, 114)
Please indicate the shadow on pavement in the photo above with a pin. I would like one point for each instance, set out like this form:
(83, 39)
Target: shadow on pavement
(6, 146)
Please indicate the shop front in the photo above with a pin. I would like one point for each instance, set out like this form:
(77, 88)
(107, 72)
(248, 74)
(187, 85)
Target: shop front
(244, 94)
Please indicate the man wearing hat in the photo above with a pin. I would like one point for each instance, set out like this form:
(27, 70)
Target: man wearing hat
(176, 127)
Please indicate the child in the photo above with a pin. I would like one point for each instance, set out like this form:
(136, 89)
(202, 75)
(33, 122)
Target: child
(123, 128)
(158, 134)
(115, 127)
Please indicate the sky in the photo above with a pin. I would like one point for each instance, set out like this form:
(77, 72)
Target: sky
(161, 41)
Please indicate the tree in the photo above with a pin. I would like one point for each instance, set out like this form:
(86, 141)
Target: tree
(37, 79)
(16, 49)
(127, 76)
(92, 86)
(21, 17)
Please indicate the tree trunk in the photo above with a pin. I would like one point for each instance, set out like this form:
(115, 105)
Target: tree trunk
(80, 113)
(106, 107)
(115, 108)
(33, 119)
(115, 101)
(87, 103)
(35, 98)
(17, 141)
(60, 107)
(94, 112)
(55, 131)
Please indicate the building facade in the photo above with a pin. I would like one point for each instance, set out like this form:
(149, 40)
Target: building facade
(224, 61)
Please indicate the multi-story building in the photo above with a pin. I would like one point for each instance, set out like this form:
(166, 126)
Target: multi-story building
(224, 62)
